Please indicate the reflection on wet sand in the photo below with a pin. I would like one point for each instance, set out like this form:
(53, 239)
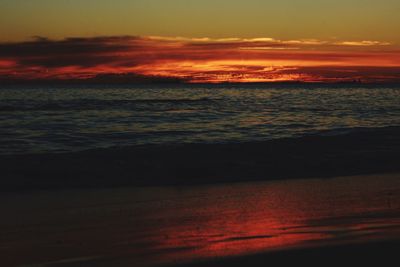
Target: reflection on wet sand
(152, 226)
(249, 218)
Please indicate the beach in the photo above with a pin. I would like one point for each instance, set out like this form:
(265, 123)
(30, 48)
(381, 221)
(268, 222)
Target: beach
(354, 218)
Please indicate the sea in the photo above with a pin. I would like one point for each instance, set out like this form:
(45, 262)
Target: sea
(65, 118)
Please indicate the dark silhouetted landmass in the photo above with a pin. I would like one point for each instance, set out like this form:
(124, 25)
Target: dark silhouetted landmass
(135, 79)
(125, 78)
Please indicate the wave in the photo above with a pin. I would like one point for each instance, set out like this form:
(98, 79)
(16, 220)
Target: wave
(355, 130)
(94, 104)
(65, 142)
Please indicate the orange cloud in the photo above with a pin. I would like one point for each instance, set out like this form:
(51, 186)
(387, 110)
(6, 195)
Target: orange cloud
(200, 59)
(362, 43)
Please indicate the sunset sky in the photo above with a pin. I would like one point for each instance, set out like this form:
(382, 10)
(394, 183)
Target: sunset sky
(202, 41)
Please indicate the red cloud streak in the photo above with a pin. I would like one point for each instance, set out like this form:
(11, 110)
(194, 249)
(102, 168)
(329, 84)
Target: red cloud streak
(200, 60)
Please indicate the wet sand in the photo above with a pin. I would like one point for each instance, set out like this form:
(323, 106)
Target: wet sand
(369, 254)
(247, 224)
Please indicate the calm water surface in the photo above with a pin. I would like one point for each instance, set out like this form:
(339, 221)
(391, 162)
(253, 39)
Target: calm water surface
(57, 119)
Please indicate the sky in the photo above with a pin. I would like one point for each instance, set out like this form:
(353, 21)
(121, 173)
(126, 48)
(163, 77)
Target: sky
(202, 41)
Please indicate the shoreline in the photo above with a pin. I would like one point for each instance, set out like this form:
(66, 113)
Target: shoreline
(190, 164)
(356, 153)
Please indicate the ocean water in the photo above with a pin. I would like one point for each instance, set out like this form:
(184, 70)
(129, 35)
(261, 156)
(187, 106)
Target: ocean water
(40, 119)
